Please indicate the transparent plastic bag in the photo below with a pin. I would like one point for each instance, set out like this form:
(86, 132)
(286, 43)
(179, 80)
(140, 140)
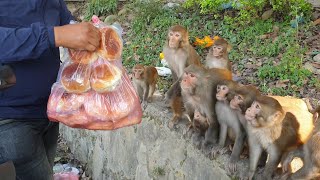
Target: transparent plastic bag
(93, 90)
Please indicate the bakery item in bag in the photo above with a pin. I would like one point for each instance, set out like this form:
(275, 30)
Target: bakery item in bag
(110, 45)
(82, 56)
(75, 78)
(105, 76)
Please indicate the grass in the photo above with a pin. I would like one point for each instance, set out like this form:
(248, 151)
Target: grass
(147, 33)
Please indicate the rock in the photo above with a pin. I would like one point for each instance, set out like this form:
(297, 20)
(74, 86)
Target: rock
(315, 15)
(311, 68)
(317, 58)
(124, 11)
(171, 5)
(267, 14)
(110, 19)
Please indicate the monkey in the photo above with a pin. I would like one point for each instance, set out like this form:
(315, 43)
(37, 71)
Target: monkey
(145, 80)
(198, 89)
(178, 52)
(228, 119)
(272, 128)
(200, 122)
(7, 77)
(310, 153)
(217, 56)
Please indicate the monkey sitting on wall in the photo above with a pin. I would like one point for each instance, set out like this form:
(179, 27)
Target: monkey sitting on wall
(272, 128)
(144, 80)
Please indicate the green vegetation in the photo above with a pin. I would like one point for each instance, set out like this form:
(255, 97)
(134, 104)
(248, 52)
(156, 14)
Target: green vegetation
(241, 26)
(100, 7)
(159, 171)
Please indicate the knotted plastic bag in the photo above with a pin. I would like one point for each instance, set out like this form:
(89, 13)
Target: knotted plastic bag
(93, 90)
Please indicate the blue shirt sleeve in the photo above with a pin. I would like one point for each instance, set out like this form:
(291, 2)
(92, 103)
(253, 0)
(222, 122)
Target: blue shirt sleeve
(25, 43)
(66, 16)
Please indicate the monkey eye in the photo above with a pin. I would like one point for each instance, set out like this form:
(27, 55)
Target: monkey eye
(223, 88)
(257, 106)
(239, 97)
(192, 75)
(171, 34)
(220, 48)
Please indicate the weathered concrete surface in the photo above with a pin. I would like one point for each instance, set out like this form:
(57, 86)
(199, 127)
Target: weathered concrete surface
(146, 151)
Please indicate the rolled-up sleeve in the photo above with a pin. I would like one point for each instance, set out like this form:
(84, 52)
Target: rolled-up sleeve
(25, 43)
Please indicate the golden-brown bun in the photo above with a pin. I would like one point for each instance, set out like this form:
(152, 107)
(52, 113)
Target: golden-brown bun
(112, 105)
(82, 56)
(110, 45)
(75, 78)
(105, 76)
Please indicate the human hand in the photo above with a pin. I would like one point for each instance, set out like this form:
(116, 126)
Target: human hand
(81, 36)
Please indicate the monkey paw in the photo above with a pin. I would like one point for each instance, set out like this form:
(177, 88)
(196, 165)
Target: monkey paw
(144, 105)
(172, 124)
(232, 166)
(218, 150)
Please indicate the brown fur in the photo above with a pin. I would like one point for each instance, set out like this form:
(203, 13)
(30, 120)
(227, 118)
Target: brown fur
(273, 129)
(214, 60)
(145, 80)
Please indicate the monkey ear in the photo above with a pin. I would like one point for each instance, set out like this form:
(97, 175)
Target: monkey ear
(229, 47)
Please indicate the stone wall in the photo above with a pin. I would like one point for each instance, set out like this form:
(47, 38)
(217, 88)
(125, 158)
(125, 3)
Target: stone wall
(149, 150)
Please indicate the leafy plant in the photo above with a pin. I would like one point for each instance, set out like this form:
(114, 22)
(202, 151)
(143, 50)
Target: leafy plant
(100, 7)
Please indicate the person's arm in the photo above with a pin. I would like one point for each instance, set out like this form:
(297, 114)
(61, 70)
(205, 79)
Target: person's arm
(66, 16)
(18, 44)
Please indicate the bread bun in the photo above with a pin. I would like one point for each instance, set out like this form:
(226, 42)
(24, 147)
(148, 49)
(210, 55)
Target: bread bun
(105, 76)
(82, 56)
(110, 45)
(75, 78)
(111, 105)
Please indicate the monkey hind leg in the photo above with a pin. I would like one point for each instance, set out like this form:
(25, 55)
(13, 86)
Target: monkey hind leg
(177, 108)
(152, 88)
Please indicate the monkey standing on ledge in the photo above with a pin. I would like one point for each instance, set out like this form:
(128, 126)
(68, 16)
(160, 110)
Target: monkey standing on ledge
(198, 92)
(275, 129)
(179, 54)
(145, 80)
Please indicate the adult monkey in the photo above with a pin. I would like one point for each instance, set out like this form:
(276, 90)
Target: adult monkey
(273, 128)
(310, 153)
(179, 54)
(199, 86)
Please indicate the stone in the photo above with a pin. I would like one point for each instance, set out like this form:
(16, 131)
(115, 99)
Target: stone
(316, 58)
(171, 5)
(124, 11)
(110, 19)
(267, 14)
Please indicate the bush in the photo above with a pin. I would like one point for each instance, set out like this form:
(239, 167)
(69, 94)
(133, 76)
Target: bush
(249, 10)
(100, 7)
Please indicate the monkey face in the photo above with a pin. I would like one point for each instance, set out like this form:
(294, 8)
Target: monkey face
(188, 82)
(252, 113)
(222, 91)
(174, 39)
(218, 50)
(200, 121)
(138, 73)
(236, 102)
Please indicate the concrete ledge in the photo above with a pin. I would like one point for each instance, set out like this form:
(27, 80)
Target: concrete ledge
(146, 151)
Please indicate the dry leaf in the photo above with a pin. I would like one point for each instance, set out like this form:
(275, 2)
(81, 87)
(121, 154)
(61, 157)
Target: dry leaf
(316, 65)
